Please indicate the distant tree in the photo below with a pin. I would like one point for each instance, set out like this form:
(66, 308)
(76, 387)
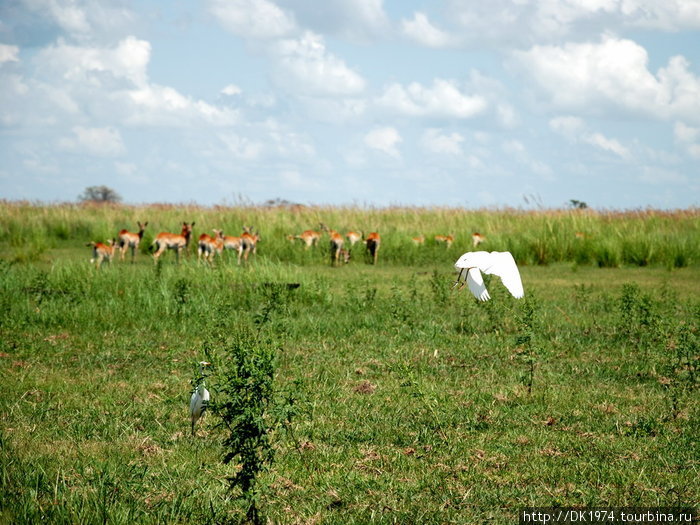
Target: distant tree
(578, 205)
(99, 194)
(280, 203)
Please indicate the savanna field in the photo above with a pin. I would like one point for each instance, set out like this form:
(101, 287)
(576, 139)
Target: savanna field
(389, 396)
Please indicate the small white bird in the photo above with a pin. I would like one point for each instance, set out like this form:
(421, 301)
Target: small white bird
(491, 263)
(200, 397)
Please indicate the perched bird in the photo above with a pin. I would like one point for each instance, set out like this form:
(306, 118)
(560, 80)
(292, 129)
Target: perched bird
(491, 263)
(200, 397)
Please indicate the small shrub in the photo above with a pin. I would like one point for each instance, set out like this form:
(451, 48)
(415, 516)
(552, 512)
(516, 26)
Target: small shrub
(638, 322)
(181, 295)
(527, 345)
(681, 377)
(252, 411)
(440, 291)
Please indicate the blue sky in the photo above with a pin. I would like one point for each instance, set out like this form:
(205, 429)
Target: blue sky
(373, 102)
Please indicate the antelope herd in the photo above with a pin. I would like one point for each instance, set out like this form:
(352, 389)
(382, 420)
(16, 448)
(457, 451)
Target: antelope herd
(209, 246)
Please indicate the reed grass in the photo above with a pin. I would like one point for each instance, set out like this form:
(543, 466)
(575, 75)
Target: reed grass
(603, 238)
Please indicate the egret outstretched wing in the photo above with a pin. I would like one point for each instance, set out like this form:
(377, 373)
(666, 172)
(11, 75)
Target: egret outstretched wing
(476, 284)
(501, 264)
(504, 266)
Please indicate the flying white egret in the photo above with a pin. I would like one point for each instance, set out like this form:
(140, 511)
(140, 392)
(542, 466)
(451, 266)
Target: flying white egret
(491, 263)
(200, 397)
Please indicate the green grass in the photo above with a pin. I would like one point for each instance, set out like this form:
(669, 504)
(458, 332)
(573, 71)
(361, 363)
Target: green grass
(413, 396)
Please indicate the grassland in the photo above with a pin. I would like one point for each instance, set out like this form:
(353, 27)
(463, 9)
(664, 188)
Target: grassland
(413, 398)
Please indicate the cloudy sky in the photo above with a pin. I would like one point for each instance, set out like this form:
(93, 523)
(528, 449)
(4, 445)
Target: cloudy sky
(370, 102)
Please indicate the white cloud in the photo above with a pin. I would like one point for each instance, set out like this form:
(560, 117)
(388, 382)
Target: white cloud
(604, 143)
(443, 99)
(231, 90)
(667, 15)
(13, 90)
(290, 145)
(100, 142)
(575, 130)
(425, 33)
(155, 105)
(357, 20)
(522, 22)
(370, 12)
(111, 83)
(519, 152)
(437, 142)
(570, 127)
(291, 178)
(259, 19)
(384, 139)
(242, 147)
(84, 19)
(334, 110)
(8, 53)
(304, 64)
(612, 74)
(127, 169)
(661, 176)
(506, 115)
(688, 137)
(84, 64)
(301, 61)
(70, 17)
(685, 133)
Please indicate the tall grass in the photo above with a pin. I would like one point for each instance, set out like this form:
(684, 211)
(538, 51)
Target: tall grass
(606, 238)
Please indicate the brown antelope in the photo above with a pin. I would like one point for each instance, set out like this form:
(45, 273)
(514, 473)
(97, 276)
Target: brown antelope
(171, 241)
(447, 239)
(337, 242)
(127, 239)
(309, 238)
(249, 241)
(102, 253)
(373, 241)
(344, 256)
(209, 246)
(233, 243)
(353, 237)
(477, 239)
(580, 235)
(418, 241)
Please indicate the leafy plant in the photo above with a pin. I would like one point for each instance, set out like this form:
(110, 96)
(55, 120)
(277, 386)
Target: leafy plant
(252, 411)
(441, 292)
(639, 323)
(181, 295)
(681, 367)
(527, 344)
